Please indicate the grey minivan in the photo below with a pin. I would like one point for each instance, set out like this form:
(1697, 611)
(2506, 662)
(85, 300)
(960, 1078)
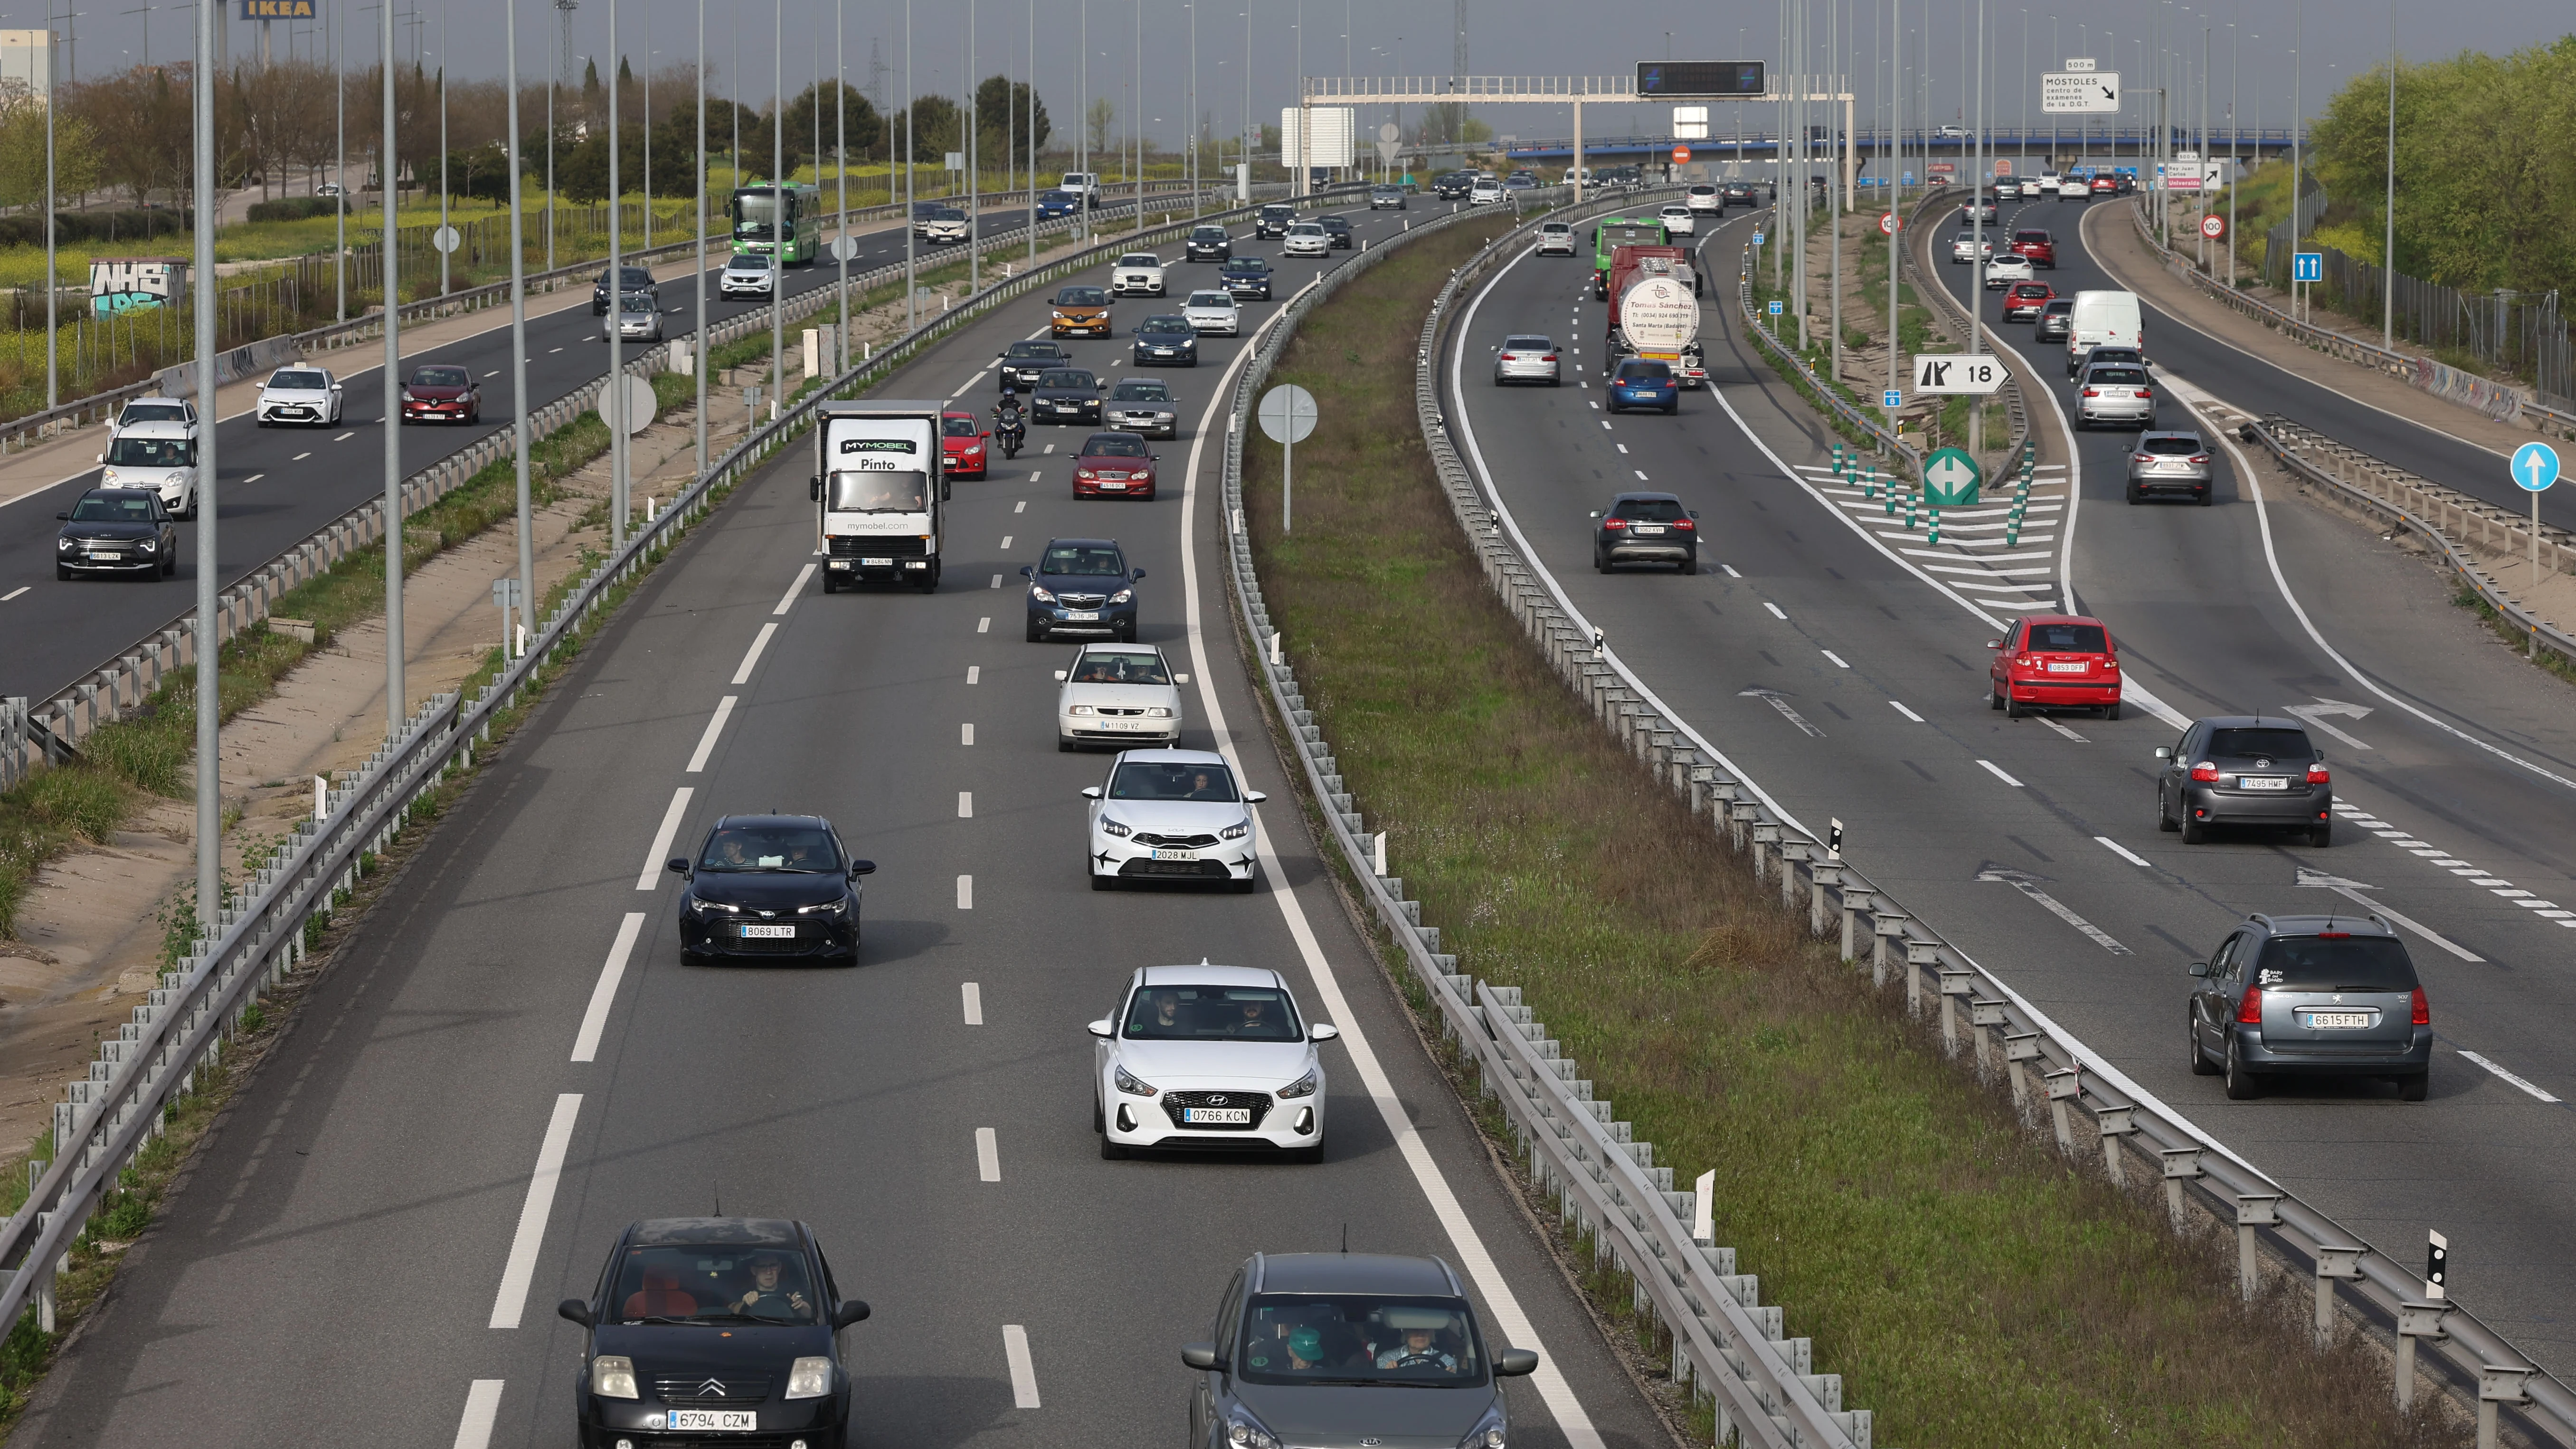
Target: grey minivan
(2312, 996)
(1349, 1348)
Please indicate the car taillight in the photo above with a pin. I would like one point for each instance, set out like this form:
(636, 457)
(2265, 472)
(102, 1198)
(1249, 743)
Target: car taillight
(2201, 459)
(1614, 523)
(2026, 661)
(2205, 773)
(2145, 457)
(2142, 392)
(2092, 392)
(2249, 1007)
(2423, 1015)
(1684, 526)
(1551, 357)
(2317, 775)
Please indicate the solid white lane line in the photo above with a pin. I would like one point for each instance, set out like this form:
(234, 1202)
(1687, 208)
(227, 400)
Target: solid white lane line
(1995, 770)
(2507, 1076)
(988, 1155)
(965, 804)
(1774, 608)
(512, 1301)
(752, 656)
(966, 734)
(2122, 851)
(798, 587)
(965, 892)
(1901, 709)
(603, 997)
(1838, 659)
(974, 997)
(1024, 1372)
(662, 838)
(482, 1411)
(974, 672)
(707, 741)
(1510, 1321)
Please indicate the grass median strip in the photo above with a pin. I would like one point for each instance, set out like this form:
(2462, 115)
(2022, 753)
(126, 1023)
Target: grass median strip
(1969, 1286)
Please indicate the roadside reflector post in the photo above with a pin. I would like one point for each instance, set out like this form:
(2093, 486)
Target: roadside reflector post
(2415, 1320)
(1956, 982)
(2182, 1164)
(1936, 526)
(2020, 1047)
(2253, 1210)
(1983, 1016)
(2064, 1085)
(2116, 1123)
(2499, 1384)
(2342, 1262)
(1886, 924)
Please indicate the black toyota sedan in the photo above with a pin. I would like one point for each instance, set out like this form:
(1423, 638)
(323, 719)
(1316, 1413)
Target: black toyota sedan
(117, 531)
(1082, 586)
(1027, 361)
(1246, 277)
(1067, 395)
(631, 279)
(1169, 339)
(771, 885)
(714, 1329)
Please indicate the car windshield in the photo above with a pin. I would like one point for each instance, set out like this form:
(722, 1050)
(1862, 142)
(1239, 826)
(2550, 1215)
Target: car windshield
(631, 302)
(2171, 447)
(1082, 297)
(1209, 233)
(1114, 445)
(1056, 198)
(2030, 236)
(113, 510)
(1554, 228)
(1140, 392)
(2260, 743)
(1275, 212)
(1355, 1338)
(1168, 322)
(953, 426)
(314, 381)
(2031, 291)
(168, 412)
(1305, 228)
(2066, 638)
(948, 213)
(1124, 666)
(455, 376)
(900, 490)
(2061, 306)
(1209, 783)
(2120, 376)
(1644, 372)
(1068, 377)
(1649, 510)
(727, 1284)
(133, 452)
(1035, 349)
(1140, 259)
(1248, 264)
(1335, 223)
(803, 848)
(1222, 301)
(1078, 560)
(1528, 344)
(1212, 1013)
(752, 262)
(2328, 962)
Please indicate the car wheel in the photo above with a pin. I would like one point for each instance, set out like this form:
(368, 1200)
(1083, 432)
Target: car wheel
(2321, 836)
(2164, 814)
(263, 422)
(1310, 1156)
(1063, 746)
(1101, 882)
(2133, 495)
(170, 566)
(2012, 707)
(2412, 1089)
(1111, 1151)
(1244, 886)
(2111, 711)
(2201, 1066)
(1691, 565)
(1099, 1119)
(1672, 407)
(62, 574)
(2204, 498)
(1600, 561)
(2193, 831)
(2242, 1085)
(831, 584)
(1037, 632)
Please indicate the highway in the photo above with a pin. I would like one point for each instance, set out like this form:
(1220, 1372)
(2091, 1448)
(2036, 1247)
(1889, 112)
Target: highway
(278, 485)
(2454, 817)
(369, 1232)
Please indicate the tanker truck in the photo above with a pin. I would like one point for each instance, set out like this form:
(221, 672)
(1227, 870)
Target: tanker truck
(1654, 310)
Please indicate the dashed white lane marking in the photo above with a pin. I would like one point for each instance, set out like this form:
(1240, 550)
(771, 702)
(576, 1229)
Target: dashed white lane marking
(1622, 447)
(13, 593)
(662, 838)
(1997, 771)
(1775, 609)
(966, 733)
(988, 1155)
(603, 997)
(1640, 472)
(1006, 541)
(2061, 729)
(974, 673)
(1838, 659)
(965, 892)
(298, 458)
(1901, 709)
(255, 477)
(511, 1303)
(965, 804)
(482, 1412)
(788, 599)
(707, 741)
(751, 657)
(2055, 907)
(2508, 1076)
(973, 995)
(1730, 571)
(2122, 851)
(985, 626)
(344, 437)
(1024, 1372)
(1023, 506)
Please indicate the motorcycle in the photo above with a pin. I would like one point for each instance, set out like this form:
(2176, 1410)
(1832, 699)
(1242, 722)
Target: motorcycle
(1011, 436)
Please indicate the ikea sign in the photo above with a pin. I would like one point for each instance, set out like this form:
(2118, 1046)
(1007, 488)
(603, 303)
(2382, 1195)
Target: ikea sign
(277, 9)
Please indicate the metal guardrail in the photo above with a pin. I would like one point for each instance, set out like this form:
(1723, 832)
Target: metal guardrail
(2501, 401)
(2092, 1106)
(116, 1109)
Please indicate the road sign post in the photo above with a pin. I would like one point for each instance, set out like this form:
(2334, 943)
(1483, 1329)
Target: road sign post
(2535, 467)
(2213, 226)
(1950, 479)
(1287, 415)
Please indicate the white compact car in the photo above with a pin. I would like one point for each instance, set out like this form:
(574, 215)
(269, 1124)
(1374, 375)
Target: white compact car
(1212, 1058)
(2007, 269)
(946, 226)
(638, 320)
(1121, 694)
(1965, 248)
(747, 275)
(1306, 239)
(1679, 220)
(158, 456)
(1485, 191)
(2046, 184)
(154, 410)
(1138, 274)
(1555, 239)
(1704, 198)
(309, 395)
(1213, 312)
(1172, 815)
(2075, 186)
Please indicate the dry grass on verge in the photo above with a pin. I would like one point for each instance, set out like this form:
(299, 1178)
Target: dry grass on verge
(1970, 1287)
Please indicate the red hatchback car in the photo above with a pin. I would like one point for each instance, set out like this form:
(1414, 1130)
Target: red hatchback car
(2027, 300)
(2035, 246)
(439, 394)
(961, 445)
(2062, 661)
(1114, 465)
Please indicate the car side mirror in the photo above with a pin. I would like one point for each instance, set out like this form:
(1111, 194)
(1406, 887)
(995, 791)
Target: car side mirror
(863, 867)
(1994, 643)
(1595, 513)
(335, 387)
(1254, 797)
(1514, 1363)
(1101, 386)
(575, 1310)
(1323, 1031)
(1090, 792)
(101, 458)
(814, 487)
(851, 1310)
(2199, 968)
(2164, 752)
(1060, 675)
(1138, 575)
(62, 515)
(1101, 1028)
(678, 865)
(1024, 572)
(1201, 1356)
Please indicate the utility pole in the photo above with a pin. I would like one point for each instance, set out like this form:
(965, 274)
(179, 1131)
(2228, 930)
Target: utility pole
(389, 159)
(1895, 196)
(443, 253)
(619, 505)
(209, 651)
(778, 218)
(2388, 243)
(519, 434)
(911, 301)
(974, 169)
(53, 280)
(340, 203)
(841, 167)
(698, 349)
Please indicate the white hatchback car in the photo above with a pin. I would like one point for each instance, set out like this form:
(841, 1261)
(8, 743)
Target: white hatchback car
(747, 275)
(1484, 191)
(2007, 269)
(158, 456)
(307, 395)
(2075, 186)
(1213, 311)
(1306, 239)
(1555, 239)
(1118, 694)
(1172, 815)
(1138, 274)
(1210, 1058)
(1679, 220)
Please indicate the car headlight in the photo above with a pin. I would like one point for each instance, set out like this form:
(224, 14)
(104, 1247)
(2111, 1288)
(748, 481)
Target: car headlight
(1158, 712)
(1236, 831)
(1123, 596)
(1039, 595)
(1081, 709)
(1127, 1082)
(106, 477)
(1059, 316)
(1491, 1431)
(1242, 1431)
(809, 1378)
(706, 907)
(840, 907)
(406, 394)
(1112, 827)
(612, 1376)
(1302, 1087)
(148, 545)
(64, 544)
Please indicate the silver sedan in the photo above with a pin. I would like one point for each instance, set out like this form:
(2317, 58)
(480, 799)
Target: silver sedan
(1529, 358)
(2169, 463)
(2115, 392)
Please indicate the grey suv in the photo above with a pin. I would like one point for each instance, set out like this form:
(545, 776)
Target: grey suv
(1326, 1348)
(2245, 770)
(2311, 996)
(2169, 462)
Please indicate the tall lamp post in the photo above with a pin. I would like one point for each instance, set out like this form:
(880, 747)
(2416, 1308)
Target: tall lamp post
(210, 820)
(778, 214)
(519, 331)
(53, 281)
(698, 351)
(389, 162)
(841, 174)
(340, 203)
(615, 395)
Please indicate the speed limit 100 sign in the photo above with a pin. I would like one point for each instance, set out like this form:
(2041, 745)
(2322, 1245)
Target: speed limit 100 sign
(1887, 223)
(2213, 226)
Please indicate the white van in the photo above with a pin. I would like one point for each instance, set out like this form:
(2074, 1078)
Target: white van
(2102, 319)
(1085, 184)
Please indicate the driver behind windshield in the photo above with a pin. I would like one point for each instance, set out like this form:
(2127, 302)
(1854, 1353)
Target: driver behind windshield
(745, 847)
(774, 1292)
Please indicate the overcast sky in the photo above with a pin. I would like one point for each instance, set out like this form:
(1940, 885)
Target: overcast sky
(1507, 37)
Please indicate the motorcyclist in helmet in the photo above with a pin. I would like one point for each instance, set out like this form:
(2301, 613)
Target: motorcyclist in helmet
(1009, 421)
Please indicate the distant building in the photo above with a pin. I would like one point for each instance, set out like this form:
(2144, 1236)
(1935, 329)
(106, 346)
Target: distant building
(26, 59)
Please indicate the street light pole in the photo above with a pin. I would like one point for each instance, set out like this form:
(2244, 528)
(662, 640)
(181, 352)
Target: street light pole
(841, 167)
(389, 161)
(340, 203)
(911, 103)
(698, 348)
(53, 282)
(2388, 243)
(443, 252)
(778, 216)
(619, 505)
(974, 172)
(519, 335)
(210, 765)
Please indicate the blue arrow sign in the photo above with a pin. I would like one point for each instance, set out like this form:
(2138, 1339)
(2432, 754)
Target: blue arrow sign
(1757, 238)
(1775, 309)
(2307, 266)
(2535, 466)
(1891, 399)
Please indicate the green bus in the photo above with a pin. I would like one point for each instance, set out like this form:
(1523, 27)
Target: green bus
(755, 217)
(1621, 231)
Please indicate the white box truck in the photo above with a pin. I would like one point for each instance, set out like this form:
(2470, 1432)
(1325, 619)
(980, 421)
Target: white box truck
(2102, 319)
(878, 493)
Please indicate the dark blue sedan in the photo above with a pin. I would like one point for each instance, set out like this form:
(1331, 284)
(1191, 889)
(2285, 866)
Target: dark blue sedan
(1168, 340)
(1052, 204)
(1640, 383)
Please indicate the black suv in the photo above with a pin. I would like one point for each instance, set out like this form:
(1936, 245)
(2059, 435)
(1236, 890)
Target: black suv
(712, 1328)
(771, 885)
(1322, 1348)
(1026, 362)
(1646, 528)
(638, 279)
(1274, 220)
(117, 531)
(1454, 186)
(1081, 586)
(1339, 229)
(1209, 244)
(2320, 995)
(1246, 277)
(2244, 769)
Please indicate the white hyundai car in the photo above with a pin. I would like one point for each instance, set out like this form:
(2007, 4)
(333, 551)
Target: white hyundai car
(1679, 220)
(308, 395)
(1174, 815)
(1121, 694)
(1208, 1058)
(1213, 311)
(1138, 274)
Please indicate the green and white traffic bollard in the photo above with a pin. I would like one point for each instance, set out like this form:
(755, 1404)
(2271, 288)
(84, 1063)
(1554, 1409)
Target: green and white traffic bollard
(1936, 526)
